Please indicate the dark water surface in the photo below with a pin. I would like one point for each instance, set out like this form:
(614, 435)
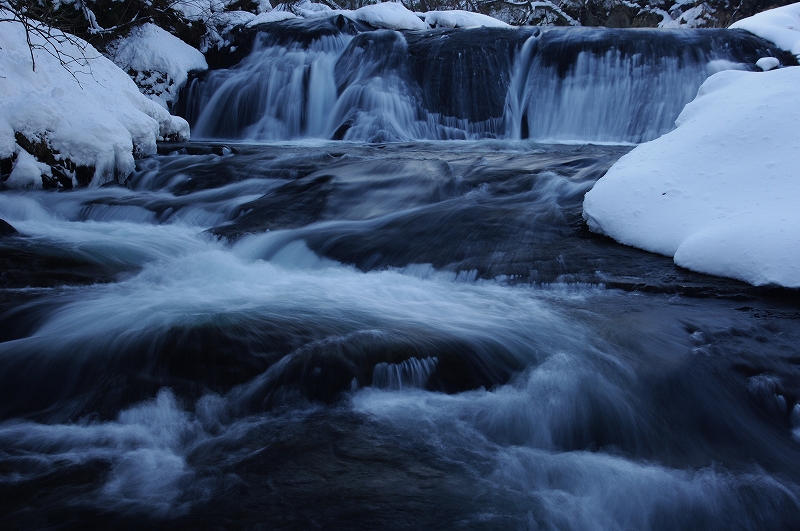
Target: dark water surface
(383, 336)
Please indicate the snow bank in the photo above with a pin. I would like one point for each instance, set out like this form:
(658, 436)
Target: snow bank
(91, 115)
(780, 25)
(160, 61)
(460, 19)
(720, 192)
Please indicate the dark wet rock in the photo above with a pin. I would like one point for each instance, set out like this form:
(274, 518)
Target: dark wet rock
(59, 179)
(24, 264)
(294, 204)
(458, 79)
(305, 31)
(324, 371)
(6, 229)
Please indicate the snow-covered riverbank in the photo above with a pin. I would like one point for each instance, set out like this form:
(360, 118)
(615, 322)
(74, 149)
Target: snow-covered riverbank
(79, 114)
(720, 192)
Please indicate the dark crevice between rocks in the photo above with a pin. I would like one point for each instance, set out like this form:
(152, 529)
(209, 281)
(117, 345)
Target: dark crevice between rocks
(6, 167)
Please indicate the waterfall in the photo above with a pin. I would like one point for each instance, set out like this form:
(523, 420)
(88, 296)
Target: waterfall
(586, 85)
(278, 92)
(412, 372)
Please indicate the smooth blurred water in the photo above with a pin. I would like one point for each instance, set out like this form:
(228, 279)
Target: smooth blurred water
(336, 80)
(395, 336)
(395, 318)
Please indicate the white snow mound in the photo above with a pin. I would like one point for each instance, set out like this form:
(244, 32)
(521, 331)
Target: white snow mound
(720, 192)
(780, 26)
(461, 19)
(768, 63)
(27, 173)
(388, 15)
(92, 114)
(149, 50)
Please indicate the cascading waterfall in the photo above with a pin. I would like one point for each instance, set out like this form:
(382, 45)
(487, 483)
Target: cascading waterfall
(278, 92)
(412, 372)
(597, 85)
(602, 95)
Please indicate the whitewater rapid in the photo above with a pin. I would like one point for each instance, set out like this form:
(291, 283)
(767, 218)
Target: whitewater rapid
(434, 335)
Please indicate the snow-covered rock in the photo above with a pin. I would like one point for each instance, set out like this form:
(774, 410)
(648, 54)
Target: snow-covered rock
(27, 172)
(86, 112)
(720, 192)
(306, 9)
(382, 15)
(460, 19)
(217, 19)
(158, 61)
(780, 25)
(271, 16)
(199, 9)
(768, 63)
(388, 15)
(219, 25)
(7, 144)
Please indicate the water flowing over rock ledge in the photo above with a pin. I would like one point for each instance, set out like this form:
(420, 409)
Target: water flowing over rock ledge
(333, 78)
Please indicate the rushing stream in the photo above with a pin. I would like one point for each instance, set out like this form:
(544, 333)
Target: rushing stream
(324, 334)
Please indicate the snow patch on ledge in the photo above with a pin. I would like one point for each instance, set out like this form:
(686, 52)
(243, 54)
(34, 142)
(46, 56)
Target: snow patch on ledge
(270, 17)
(720, 192)
(383, 15)
(780, 26)
(460, 19)
(159, 61)
(91, 114)
(388, 15)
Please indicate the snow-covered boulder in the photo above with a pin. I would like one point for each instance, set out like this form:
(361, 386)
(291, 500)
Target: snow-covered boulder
(388, 15)
(85, 116)
(271, 16)
(699, 16)
(219, 27)
(720, 192)
(461, 19)
(780, 25)
(7, 144)
(306, 9)
(158, 62)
